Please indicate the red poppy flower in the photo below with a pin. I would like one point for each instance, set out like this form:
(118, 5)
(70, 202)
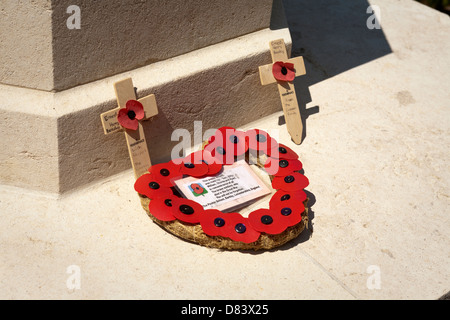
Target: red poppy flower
(161, 208)
(165, 173)
(220, 133)
(259, 140)
(226, 144)
(148, 186)
(213, 167)
(281, 196)
(187, 210)
(282, 167)
(129, 116)
(219, 154)
(293, 182)
(193, 165)
(214, 223)
(283, 152)
(283, 71)
(265, 220)
(240, 229)
(236, 141)
(289, 211)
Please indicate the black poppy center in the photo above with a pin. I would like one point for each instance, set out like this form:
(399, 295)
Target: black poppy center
(284, 71)
(168, 202)
(289, 179)
(283, 163)
(184, 208)
(219, 222)
(164, 172)
(234, 139)
(240, 228)
(286, 211)
(266, 219)
(221, 150)
(189, 165)
(261, 138)
(154, 185)
(282, 150)
(285, 197)
(131, 114)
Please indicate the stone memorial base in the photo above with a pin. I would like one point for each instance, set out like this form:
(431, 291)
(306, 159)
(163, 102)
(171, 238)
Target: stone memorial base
(53, 141)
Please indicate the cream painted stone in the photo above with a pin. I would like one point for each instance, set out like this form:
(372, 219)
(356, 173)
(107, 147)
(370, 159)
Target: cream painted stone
(39, 51)
(213, 85)
(26, 53)
(376, 155)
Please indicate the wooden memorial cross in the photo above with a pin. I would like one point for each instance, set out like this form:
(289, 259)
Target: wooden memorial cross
(137, 145)
(286, 88)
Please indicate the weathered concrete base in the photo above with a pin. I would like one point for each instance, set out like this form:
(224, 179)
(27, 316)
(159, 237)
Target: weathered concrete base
(54, 141)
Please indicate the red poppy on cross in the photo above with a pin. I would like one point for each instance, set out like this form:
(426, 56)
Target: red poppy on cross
(126, 118)
(283, 71)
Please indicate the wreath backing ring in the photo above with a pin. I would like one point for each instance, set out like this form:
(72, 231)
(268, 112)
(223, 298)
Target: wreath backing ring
(263, 229)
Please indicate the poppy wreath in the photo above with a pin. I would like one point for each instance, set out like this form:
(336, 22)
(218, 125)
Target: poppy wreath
(284, 219)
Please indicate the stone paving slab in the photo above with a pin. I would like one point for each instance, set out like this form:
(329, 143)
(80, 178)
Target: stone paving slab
(122, 254)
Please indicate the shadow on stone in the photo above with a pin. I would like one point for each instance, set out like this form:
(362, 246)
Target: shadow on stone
(333, 37)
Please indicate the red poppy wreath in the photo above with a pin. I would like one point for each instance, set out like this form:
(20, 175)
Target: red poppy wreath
(267, 228)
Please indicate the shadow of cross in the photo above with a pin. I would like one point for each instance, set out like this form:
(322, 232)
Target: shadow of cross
(137, 145)
(286, 88)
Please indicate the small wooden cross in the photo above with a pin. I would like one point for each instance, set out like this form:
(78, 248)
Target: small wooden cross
(286, 89)
(137, 145)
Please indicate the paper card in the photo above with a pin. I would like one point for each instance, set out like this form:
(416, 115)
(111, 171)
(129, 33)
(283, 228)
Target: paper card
(234, 187)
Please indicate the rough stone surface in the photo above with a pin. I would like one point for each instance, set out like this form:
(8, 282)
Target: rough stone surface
(114, 36)
(26, 53)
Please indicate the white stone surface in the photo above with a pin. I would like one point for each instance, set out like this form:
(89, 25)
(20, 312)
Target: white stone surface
(376, 154)
(379, 147)
(122, 254)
